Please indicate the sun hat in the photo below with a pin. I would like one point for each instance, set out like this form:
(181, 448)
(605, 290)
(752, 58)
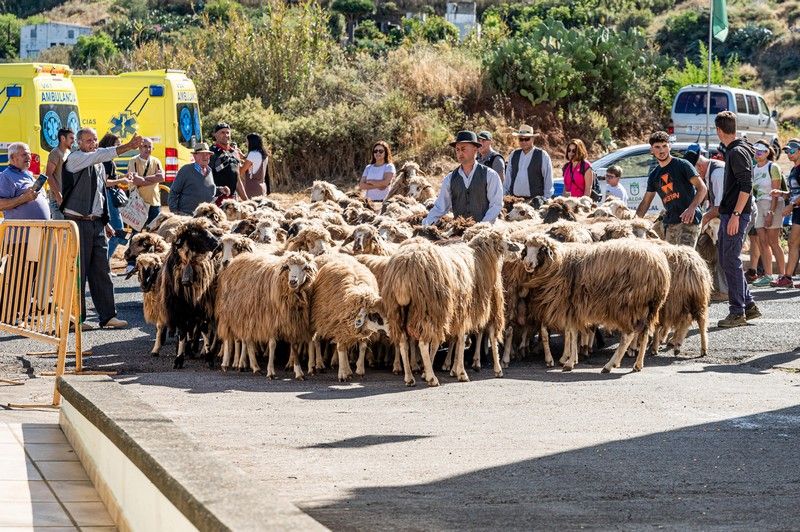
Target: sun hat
(524, 131)
(484, 135)
(761, 144)
(201, 147)
(466, 136)
(792, 144)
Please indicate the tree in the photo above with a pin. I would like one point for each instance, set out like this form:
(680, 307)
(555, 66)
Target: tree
(353, 10)
(91, 48)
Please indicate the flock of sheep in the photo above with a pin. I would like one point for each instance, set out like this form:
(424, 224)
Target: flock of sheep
(337, 281)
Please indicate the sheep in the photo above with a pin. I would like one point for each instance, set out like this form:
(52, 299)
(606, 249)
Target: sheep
(322, 191)
(577, 286)
(145, 243)
(707, 247)
(236, 210)
(187, 280)
(399, 185)
(555, 211)
(212, 213)
(277, 293)
(148, 269)
(619, 208)
(433, 292)
(565, 231)
(522, 211)
(394, 231)
(245, 226)
(268, 232)
(345, 309)
(420, 189)
(167, 224)
(313, 238)
(367, 239)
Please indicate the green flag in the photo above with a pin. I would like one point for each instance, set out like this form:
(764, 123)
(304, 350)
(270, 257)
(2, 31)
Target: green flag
(719, 22)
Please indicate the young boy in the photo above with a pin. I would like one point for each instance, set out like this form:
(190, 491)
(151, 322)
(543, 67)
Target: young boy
(613, 188)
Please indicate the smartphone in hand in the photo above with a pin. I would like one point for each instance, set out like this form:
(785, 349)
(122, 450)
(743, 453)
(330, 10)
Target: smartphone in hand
(39, 183)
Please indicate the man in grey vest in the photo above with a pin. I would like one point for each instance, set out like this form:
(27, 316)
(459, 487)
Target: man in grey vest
(488, 156)
(83, 200)
(472, 190)
(712, 172)
(529, 172)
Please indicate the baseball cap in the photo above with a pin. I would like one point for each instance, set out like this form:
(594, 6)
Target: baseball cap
(484, 135)
(221, 125)
(692, 153)
(792, 144)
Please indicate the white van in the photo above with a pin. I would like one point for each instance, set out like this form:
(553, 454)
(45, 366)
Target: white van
(753, 117)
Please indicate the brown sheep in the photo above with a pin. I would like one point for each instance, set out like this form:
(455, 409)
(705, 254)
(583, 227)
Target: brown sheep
(367, 239)
(324, 191)
(433, 292)
(420, 189)
(394, 231)
(236, 210)
(276, 291)
(312, 238)
(245, 226)
(167, 224)
(565, 231)
(399, 185)
(145, 243)
(212, 213)
(345, 309)
(148, 269)
(577, 286)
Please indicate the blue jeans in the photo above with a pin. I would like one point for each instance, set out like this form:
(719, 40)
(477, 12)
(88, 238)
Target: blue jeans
(55, 213)
(152, 212)
(115, 221)
(729, 249)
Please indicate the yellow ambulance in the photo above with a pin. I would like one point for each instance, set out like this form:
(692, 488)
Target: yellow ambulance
(159, 104)
(36, 100)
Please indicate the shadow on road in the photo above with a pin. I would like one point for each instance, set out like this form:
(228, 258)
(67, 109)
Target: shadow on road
(367, 441)
(737, 474)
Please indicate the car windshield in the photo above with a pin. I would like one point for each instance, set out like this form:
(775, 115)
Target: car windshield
(694, 102)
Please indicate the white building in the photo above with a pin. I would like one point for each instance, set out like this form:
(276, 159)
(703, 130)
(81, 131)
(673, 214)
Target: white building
(38, 37)
(464, 16)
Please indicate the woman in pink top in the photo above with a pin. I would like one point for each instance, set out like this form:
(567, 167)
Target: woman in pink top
(578, 173)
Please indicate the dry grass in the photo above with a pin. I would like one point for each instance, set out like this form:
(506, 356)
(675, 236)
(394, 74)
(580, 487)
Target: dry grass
(86, 12)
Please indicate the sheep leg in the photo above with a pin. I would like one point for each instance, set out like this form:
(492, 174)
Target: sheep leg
(639, 364)
(243, 356)
(425, 353)
(251, 356)
(658, 337)
(312, 356)
(237, 353)
(631, 346)
(570, 347)
(523, 345)
(544, 336)
(476, 356)
(508, 341)
(498, 370)
(226, 355)
(180, 357)
(159, 340)
(624, 341)
(679, 337)
(362, 354)
(448, 361)
(459, 370)
(344, 364)
(397, 365)
(415, 356)
(319, 364)
(334, 360)
(295, 359)
(702, 325)
(409, 375)
(271, 359)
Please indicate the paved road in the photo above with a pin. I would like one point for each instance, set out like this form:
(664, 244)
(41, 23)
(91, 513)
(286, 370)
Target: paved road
(708, 443)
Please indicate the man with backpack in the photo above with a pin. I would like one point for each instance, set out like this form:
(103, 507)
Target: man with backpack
(529, 172)
(487, 155)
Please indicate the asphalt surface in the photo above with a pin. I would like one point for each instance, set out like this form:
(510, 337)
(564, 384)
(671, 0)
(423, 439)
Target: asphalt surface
(707, 443)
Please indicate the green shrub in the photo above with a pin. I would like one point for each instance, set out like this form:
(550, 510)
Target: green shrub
(92, 49)
(638, 19)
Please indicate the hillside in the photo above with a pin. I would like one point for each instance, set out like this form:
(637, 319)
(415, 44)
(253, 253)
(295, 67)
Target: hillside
(601, 70)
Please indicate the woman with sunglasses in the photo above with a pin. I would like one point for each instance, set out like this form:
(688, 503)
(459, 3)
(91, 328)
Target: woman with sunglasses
(379, 172)
(792, 150)
(766, 178)
(578, 173)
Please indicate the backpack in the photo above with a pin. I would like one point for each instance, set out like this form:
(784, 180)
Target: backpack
(595, 194)
(784, 185)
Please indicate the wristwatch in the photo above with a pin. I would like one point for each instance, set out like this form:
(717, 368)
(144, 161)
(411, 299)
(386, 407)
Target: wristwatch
(737, 213)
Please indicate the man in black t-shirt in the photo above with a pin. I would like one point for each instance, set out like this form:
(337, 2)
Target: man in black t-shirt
(225, 161)
(681, 191)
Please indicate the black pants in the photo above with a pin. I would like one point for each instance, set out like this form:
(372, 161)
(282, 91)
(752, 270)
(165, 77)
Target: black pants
(95, 269)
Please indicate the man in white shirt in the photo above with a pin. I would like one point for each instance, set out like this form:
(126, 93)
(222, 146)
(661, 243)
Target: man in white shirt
(83, 201)
(472, 190)
(529, 172)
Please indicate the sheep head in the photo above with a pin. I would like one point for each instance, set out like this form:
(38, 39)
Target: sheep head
(299, 268)
(211, 212)
(712, 230)
(365, 238)
(394, 231)
(233, 246)
(196, 237)
(267, 232)
(522, 211)
(145, 243)
(322, 190)
(245, 226)
(416, 186)
(540, 252)
(148, 266)
(313, 238)
(498, 242)
(370, 316)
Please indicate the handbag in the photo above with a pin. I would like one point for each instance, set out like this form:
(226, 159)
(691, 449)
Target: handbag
(135, 212)
(118, 197)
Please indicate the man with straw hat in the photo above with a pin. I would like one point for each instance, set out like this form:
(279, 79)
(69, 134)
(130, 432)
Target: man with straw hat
(472, 190)
(529, 172)
(194, 183)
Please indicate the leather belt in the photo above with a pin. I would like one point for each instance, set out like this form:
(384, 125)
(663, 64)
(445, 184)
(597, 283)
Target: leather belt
(81, 218)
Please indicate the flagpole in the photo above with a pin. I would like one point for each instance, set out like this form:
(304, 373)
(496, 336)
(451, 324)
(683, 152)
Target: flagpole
(708, 86)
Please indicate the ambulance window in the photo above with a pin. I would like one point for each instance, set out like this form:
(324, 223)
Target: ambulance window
(189, 124)
(53, 117)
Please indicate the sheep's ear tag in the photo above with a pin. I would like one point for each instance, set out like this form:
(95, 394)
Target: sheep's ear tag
(362, 314)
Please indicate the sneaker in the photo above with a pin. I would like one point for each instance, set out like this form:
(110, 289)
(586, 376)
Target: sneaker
(718, 297)
(85, 326)
(762, 282)
(784, 281)
(733, 320)
(114, 323)
(751, 312)
(750, 275)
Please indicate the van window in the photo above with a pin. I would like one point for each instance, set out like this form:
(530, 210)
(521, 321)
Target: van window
(53, 117)
(189, 124)
(762, 106)
(694, 102)
(741, 106)
(752, 105)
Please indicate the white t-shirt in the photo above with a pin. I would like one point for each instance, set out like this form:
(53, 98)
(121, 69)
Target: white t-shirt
(617, 191)
(375, 173)
(255, 158)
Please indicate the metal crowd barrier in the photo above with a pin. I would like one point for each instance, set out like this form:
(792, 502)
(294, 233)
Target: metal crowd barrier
(39, 286)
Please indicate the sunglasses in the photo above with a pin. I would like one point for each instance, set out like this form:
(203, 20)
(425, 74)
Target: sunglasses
(379, 151)
(791, 151)
(761, 152)
(571, 150)
(524, 139)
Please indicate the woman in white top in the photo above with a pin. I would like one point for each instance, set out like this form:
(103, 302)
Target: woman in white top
(379, 173)
(766, 178)
(254, 169)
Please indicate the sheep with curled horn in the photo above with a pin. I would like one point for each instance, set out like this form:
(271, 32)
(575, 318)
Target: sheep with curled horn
(399, 185)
